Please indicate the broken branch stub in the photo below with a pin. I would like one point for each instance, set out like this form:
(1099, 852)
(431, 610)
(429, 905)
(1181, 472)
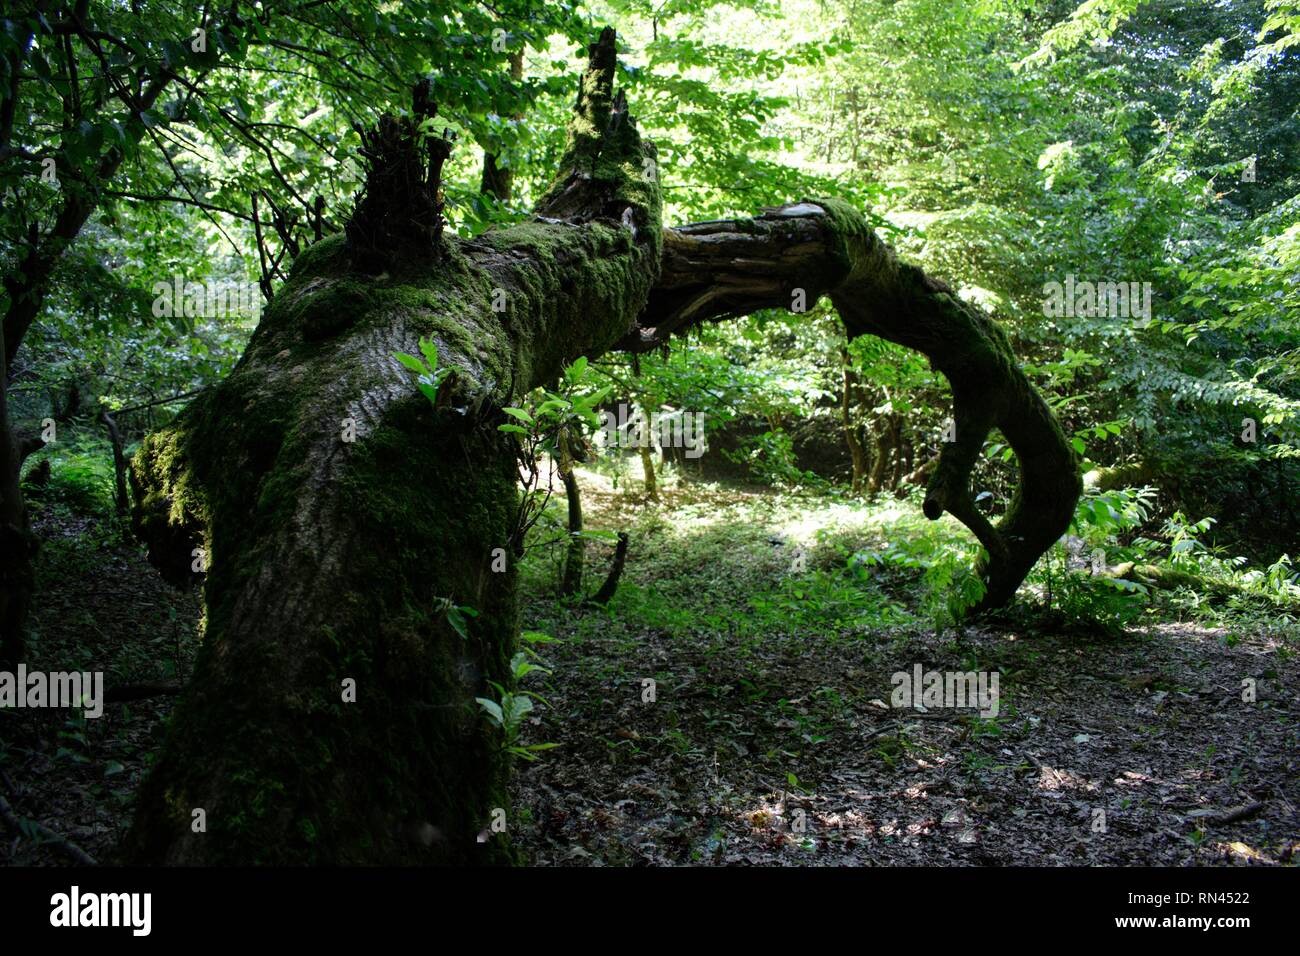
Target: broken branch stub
(399, 216)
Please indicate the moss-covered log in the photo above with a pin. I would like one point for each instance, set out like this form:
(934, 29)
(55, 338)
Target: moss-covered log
(340, 514)
(790, 256)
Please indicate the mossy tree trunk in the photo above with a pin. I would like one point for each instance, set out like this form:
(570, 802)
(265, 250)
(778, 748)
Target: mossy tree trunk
(340, 514)
(575, 553)
(648, 470)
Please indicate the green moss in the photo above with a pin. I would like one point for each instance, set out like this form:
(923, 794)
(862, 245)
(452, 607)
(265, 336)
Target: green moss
(320, 258)
(418, 531)
(847, 220)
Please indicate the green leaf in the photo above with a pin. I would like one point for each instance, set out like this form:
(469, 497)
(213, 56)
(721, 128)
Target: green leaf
(516, 707)
(456, 617)
(430, 351)
(577, 371)
(411, 362)
(493, 710)
(537, 637)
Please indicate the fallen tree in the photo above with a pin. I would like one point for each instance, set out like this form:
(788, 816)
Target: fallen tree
(351, 530)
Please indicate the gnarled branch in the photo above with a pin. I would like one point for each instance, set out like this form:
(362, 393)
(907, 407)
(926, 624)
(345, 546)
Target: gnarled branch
(726, 268)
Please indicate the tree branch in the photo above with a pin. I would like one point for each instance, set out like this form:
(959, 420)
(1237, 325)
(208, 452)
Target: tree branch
(800, 252)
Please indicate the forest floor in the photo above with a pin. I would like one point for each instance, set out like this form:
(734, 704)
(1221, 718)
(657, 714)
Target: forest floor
(770, 738)
(99, 607)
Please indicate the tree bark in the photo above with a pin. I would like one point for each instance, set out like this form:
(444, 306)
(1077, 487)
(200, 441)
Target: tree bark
(121, 498)
(610, 587)
(880, 458)
(332, 563)
(648, 471)
(576, 551)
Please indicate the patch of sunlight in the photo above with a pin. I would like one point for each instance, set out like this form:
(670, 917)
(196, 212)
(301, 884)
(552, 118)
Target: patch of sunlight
(892, 513)
(986, 299)
(1050, 778)
(1242, 853)
(838, 516)
(912, 218)
(594, 480)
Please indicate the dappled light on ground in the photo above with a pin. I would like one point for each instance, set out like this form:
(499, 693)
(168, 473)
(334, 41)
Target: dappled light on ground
(771, 739)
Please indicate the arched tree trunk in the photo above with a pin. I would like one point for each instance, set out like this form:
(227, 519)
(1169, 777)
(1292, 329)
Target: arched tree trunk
(344, 519)
(724, 268)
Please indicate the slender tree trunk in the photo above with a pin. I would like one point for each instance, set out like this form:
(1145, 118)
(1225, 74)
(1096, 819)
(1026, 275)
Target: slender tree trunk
(880, 459)
(576, 552)
(17, 544)
(610, 587)
(848, 402)
(645, 447)
(896, 439)
(648, 470)
(121, 499)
